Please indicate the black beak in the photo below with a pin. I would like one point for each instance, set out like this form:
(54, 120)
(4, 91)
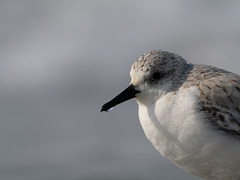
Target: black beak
(129, 93)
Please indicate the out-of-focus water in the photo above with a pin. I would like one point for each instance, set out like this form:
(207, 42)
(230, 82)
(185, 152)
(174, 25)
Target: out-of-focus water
(61, 60)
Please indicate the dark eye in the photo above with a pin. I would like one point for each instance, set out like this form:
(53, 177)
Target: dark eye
(156, 76)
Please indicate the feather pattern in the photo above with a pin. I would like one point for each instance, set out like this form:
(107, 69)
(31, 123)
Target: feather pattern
(220, 96)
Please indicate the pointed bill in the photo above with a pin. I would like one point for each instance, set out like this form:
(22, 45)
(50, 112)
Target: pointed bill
(129, 93)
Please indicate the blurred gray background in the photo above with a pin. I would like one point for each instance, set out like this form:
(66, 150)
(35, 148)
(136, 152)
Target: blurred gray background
(61, 60)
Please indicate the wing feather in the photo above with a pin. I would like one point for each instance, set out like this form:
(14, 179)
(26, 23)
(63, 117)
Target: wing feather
(220, 97)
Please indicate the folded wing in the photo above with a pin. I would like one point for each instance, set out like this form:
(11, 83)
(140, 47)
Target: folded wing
(220, 96)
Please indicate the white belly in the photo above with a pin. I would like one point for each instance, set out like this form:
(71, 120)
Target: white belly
(177, 132)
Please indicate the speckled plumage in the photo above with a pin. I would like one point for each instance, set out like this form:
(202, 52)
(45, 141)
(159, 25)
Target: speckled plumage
(219, 95)
(190, 113)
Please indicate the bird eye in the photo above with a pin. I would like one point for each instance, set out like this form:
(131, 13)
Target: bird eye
(156, 76)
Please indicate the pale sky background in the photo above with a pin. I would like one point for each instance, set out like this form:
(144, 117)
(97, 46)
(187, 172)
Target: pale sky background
(61, 60)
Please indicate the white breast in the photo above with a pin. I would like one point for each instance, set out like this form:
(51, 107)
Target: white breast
(183, 135)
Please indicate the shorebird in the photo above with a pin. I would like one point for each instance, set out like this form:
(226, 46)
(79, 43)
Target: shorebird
(189, 112)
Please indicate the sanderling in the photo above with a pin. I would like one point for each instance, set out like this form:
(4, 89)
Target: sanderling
(190, 113)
